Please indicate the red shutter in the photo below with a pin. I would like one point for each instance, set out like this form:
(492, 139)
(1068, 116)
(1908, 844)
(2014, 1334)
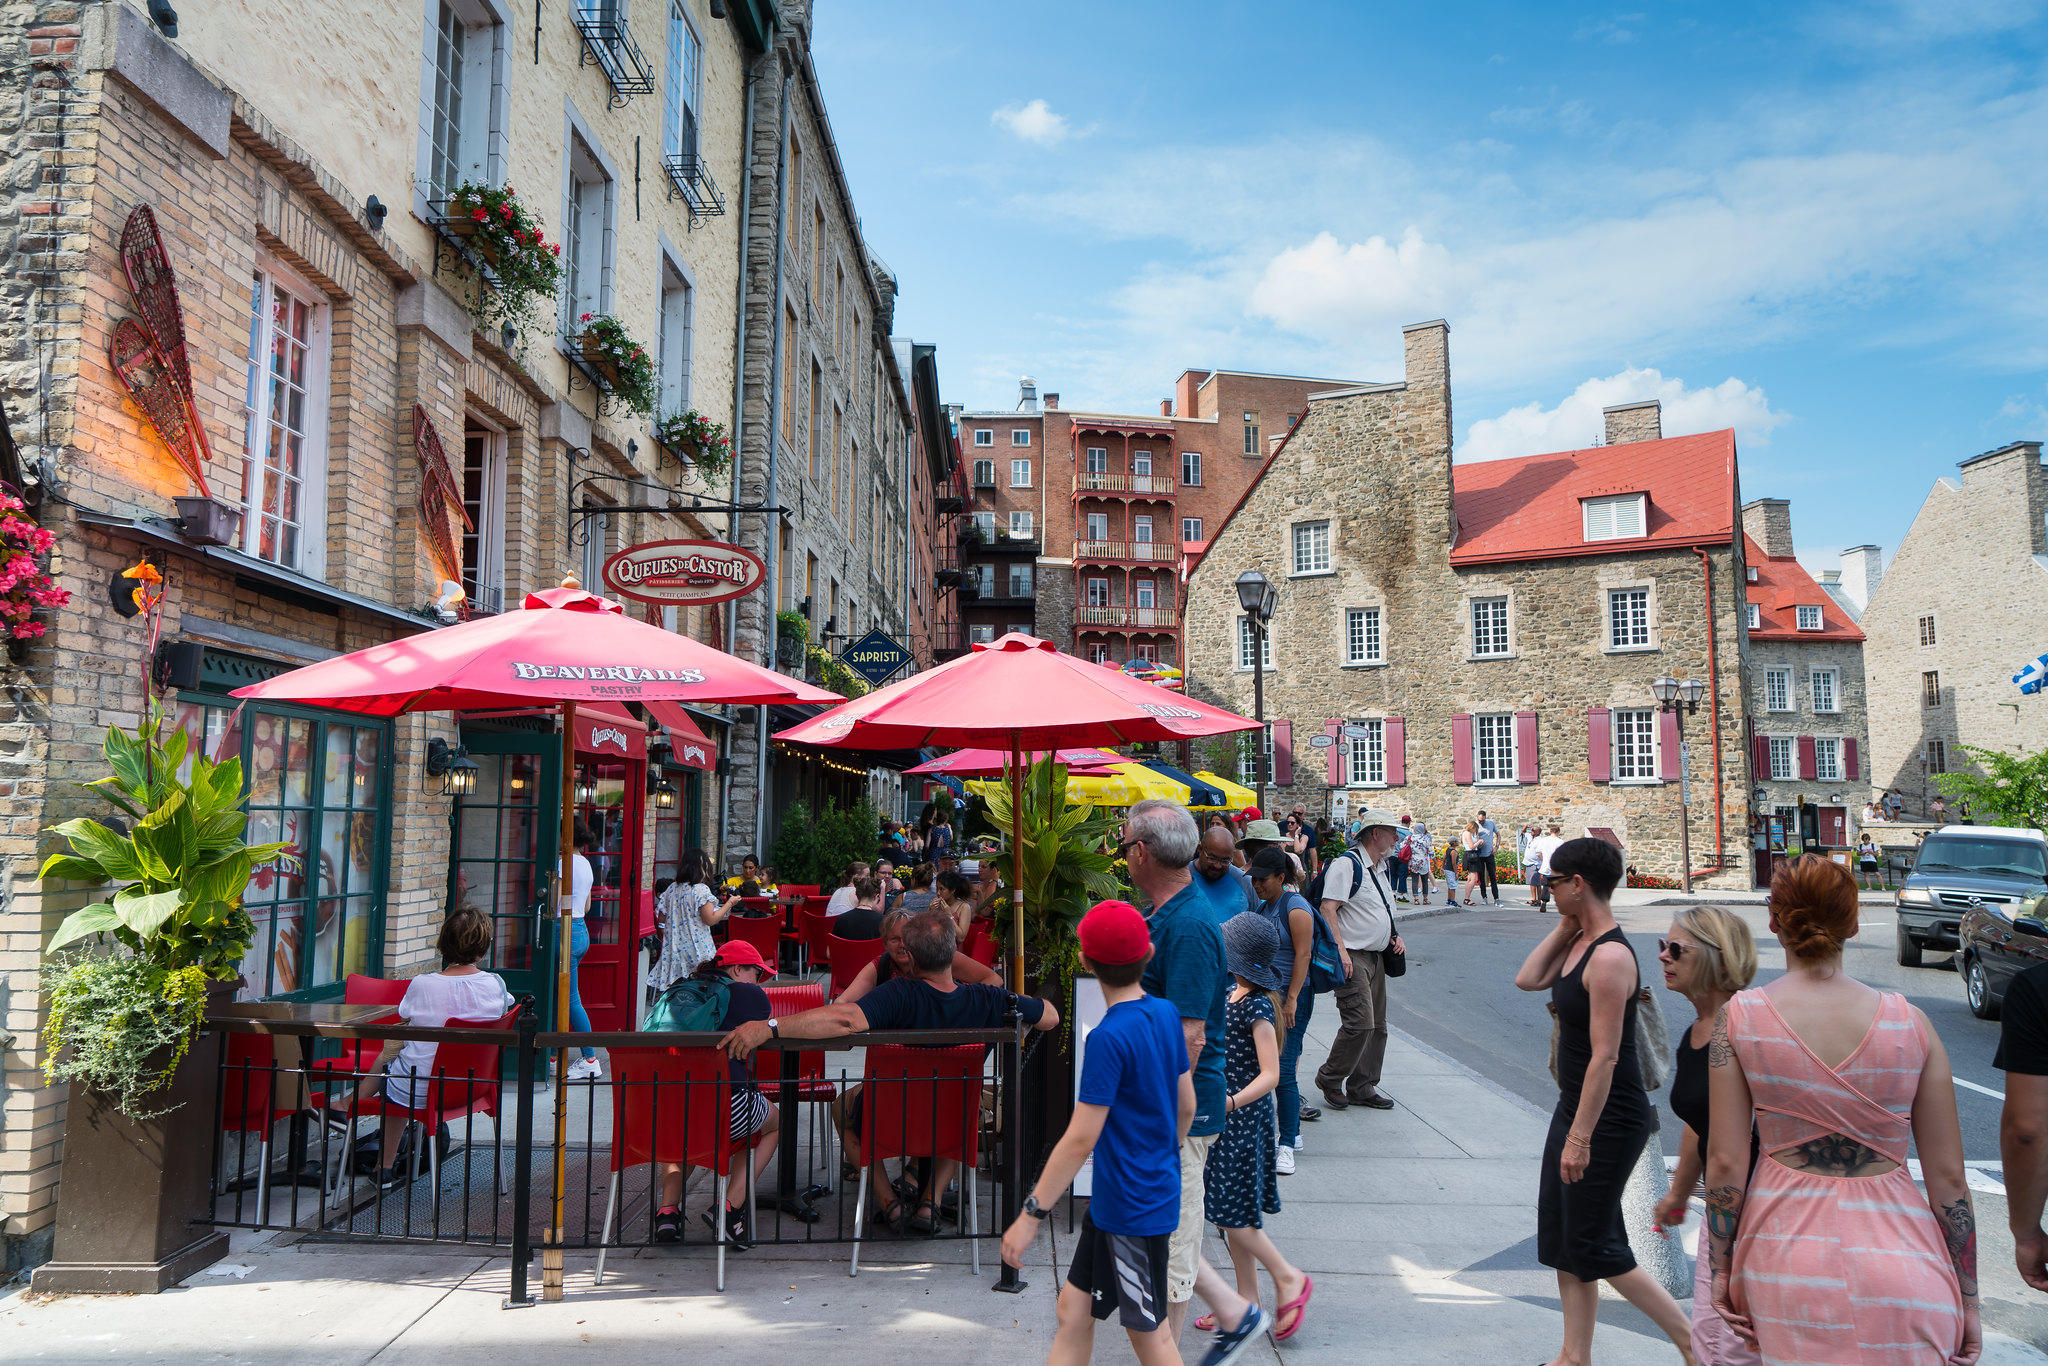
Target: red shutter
(1283, 753)
(1850, 770)
(1461, 747)
(1807, 767)
(1599, 745)
(1525, 747)
(1760, 756)
(1667, 744)
(1336, 752)
(1397, 751)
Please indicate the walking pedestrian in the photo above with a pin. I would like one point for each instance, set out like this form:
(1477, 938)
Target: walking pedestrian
(1241, 1185)
(688, 910)
(1524, 838)
(1187, 970)
(1294, 919)
(1488, 845)
(1359, 909)
(1421, 860)
(1227, 888)
(1707, 956)
(1397, 866)
(1867, 855)
(1827, 1245)
(1135, 1100)
(581, 879)
(1468, 862)
(1603, 1116)
(1540, 853)
(2023, 1127)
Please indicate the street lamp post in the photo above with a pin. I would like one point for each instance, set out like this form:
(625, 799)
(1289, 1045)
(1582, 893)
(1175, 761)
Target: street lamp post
(1258, 597)
(1681, 697)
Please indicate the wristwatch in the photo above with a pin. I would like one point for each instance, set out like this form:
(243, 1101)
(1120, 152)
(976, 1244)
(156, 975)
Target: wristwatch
(1031, 1207)
(774, 1028)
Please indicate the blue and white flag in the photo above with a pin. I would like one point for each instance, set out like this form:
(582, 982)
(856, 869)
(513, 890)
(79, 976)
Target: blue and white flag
(2034, 677)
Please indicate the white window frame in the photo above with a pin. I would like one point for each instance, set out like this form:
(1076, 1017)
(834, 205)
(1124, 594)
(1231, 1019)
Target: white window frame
(1929, 630)
(1141, 464)
(1244, 645)
(1020, 474)
(1020, 436)
(1807, 612)
(1616, 517)
(1019, 580)
(985, 474)
(1635, 756)
(1827, 758)
(1020, 524)
(1364, 640)
(1141, 528)
(1309, 544)
(1935, 756)
(979, 633)
(590, 215)
(1095, 460)
(673, 335)
(984, 436)
(682, 84)
(483, 101)
(1631, 617)
(1825, 687)
(1788, 747)
(1190, 529)
(1251, 433)
(1493, 749)
(1365, 755)
(1191, 469)
(1756, 617)
(271, 277)
(1098, 654)
(1091, 522)
(985, 523)
(486, 586)
(1497, 635)
(1778, 690)
(1095, 592)
(1144, 594)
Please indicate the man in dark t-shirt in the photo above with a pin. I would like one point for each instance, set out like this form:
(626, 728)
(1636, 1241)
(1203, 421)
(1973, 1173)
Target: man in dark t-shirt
(929, 1000)
(2023, 1128)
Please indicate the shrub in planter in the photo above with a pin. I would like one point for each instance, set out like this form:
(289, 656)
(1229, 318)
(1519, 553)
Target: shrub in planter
(24, 584)
(623, 364)
(696, 441)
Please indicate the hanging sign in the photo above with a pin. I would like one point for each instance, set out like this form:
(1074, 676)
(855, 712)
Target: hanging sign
(610, 735)
(875, 656)
(440, 495)
(684, 572)
(1321, 741)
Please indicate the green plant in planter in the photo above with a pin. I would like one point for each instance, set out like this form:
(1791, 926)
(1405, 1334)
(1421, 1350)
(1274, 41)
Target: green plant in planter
(1069, 865)
(696, 440)
(627, 369)
(525, 268)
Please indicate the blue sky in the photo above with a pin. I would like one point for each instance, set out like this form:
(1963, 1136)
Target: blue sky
(1819, 224)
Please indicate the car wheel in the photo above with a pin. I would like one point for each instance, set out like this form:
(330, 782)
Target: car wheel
(1977, 986)
(1909, 949)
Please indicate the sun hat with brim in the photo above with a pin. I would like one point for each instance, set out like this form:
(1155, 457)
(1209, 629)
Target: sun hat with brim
(1260, 830)
(1376, 815)
(1250, 944)
(736, 953)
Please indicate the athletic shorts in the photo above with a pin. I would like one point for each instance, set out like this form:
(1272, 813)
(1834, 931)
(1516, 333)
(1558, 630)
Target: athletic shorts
(1125, 1272)
(749, 1113)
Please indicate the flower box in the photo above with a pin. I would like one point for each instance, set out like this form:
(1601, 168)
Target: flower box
(207, 522)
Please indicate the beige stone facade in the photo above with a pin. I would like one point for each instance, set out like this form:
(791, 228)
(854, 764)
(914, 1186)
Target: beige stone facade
(1954, 616)
(1530, 726)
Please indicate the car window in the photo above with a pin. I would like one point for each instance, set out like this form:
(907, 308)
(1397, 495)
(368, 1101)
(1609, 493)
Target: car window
(1988, 857)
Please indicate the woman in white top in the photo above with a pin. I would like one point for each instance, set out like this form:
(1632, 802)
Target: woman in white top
(581, 878)
(688, 909)
(843, 899)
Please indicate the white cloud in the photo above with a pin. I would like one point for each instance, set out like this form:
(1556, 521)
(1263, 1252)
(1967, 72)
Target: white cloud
(1033, 122)
(1577, 422)
(1326, 289)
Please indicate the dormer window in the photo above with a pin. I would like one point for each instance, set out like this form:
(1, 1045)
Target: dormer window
(1809, 618)
(1756, 617)
(1614, 518)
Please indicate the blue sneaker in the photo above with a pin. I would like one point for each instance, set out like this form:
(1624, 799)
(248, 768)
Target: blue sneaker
(1228, 1346)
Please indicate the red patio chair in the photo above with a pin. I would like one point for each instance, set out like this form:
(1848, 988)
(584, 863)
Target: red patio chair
(764, 934)
(464, 1081)
(921, 1102)
(248, 1103)
(815, 933)
(981, 947)
(798, 888)
(810, 1062)
(360, 1055)
(759, 906)
(846, 958)
(672, 1105)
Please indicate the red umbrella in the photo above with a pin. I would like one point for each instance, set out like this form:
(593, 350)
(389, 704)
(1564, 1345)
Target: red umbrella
(566, 646)
(989, 763)
(1021, 691)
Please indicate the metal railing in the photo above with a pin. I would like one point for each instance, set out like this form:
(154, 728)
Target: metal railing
(608, 42)
(1144, 618)
(1152, 552)
(689, 175)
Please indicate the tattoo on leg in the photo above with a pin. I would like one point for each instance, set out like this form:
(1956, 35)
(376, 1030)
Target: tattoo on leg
(1959, 1228)
(1719, 1051)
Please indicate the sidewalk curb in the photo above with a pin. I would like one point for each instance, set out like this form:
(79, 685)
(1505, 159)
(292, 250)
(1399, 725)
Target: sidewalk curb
(1429, 913)
(1520, 1102)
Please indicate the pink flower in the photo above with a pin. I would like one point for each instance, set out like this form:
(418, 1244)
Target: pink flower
(42, 539)
(28, 630)
(480, 215)
(505, 209)
(586, 317)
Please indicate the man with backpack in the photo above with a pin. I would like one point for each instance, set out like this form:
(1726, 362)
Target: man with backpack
(1358, 908)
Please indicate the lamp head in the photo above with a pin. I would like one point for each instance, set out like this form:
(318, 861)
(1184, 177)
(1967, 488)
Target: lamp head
(1690, 691)
(1665, 690)
(1251, 591)
(448, 602)
(452, 764)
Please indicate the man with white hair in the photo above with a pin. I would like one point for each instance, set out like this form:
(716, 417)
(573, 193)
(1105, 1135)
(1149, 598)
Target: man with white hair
(1359, 907)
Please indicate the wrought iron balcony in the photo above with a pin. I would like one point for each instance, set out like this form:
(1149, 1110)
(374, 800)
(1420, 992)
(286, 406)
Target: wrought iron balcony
(690, 177)
(608, 42)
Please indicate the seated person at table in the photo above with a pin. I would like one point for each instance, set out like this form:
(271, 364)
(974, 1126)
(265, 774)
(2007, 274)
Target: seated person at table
(841, 900)
(459, 991)
(932, 1000)
(864, 921)
(919, 894)
(885, 873)
(749, 887)
(987, 887)
(740, 968)
(894, 961)
(956, 899)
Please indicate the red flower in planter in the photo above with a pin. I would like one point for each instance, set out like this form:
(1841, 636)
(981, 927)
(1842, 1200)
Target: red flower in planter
(480, 215)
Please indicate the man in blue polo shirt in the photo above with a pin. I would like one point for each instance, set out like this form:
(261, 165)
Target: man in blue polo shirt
(1218, 878)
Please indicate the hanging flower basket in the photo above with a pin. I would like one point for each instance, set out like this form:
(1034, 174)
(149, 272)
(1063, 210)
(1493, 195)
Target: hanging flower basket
(621, 364)
(525, 268)
(25, 586)
(696, 441)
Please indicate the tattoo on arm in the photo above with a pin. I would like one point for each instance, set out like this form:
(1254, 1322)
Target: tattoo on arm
(1720, 1052)
(1724, 1213)
(1959, 1228)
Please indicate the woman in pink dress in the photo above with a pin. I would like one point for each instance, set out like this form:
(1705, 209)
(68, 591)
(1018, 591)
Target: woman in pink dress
(1828, 1252)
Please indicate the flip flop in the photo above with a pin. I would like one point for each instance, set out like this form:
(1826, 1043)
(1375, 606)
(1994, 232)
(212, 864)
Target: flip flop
(1206, 1323)
(1298, 1306)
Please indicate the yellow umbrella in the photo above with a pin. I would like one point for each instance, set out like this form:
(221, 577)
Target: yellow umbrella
(1126, 784)
(1237, 796)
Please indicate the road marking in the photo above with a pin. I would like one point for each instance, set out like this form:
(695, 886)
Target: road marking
(1984, 1090)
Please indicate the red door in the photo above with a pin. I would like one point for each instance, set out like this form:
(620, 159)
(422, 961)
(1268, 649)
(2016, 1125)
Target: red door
(1834, 827)
(611, 795)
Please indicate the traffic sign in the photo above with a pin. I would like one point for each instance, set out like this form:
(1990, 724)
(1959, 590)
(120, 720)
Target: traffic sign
(875, 656)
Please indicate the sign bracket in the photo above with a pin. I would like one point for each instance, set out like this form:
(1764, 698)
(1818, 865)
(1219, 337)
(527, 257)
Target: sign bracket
(677, 501)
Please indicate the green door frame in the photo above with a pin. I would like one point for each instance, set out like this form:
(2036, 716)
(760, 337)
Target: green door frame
(537, 981)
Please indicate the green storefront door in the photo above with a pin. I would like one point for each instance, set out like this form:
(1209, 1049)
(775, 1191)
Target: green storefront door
(503, 855)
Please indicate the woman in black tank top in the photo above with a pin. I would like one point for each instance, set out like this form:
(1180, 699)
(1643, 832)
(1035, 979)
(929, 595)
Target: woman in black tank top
(1603, 1117)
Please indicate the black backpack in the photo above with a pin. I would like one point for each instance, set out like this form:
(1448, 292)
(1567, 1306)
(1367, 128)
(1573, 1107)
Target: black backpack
(1314, 892)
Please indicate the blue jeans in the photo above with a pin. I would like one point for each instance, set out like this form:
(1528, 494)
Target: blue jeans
(1398, 874)
(579, 944)
(1290, 1053)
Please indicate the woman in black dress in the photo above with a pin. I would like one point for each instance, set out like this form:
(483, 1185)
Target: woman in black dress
(1603, 1116)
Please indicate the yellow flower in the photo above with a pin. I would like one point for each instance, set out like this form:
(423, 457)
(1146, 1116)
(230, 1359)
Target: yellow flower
(149, 588)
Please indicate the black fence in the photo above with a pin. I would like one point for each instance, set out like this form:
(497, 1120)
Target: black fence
(921, 1142)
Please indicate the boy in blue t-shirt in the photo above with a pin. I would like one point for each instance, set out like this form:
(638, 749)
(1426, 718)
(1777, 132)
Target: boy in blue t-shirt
(1136, 1099)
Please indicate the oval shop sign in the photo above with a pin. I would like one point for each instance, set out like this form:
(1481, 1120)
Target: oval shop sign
(687, 572)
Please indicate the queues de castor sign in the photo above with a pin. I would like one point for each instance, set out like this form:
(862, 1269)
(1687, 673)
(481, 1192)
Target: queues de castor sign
(693, 572)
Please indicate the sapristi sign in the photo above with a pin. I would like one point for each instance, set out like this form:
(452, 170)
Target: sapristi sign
(671, 573)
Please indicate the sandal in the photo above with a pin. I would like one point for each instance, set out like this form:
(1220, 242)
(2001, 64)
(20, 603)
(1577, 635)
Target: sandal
(888, 1216)
(1206, 1323)
(924, 1222)
(1298, 1306)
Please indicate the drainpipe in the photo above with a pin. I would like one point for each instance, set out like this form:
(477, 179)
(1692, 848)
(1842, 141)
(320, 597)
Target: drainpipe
(773, 538)
(739, 425)
(1714, 697)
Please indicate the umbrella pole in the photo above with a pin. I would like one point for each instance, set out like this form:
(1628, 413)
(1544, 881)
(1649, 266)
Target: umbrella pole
(1017, 863)
(551, 1255)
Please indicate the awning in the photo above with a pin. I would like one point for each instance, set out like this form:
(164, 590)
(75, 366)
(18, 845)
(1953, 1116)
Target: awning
(688, 744)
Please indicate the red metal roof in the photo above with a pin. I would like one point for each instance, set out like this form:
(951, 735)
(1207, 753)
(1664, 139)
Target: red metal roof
(1528, 508)
(1781, 586)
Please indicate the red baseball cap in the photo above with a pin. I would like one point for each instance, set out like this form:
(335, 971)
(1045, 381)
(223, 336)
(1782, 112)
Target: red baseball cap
(1252, 813)
(1114, 932)
(735, 953)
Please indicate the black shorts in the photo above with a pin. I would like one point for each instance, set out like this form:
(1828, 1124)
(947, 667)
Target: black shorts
(1122, 1271)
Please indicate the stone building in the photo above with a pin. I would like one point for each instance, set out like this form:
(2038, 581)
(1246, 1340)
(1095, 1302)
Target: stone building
(1485, 635)
(1808, 721)
(299, 169)
(1954, 616)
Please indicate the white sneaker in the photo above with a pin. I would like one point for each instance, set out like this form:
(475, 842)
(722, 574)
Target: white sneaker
(1283, 1160)
(584, 1068)
(1299, 1143)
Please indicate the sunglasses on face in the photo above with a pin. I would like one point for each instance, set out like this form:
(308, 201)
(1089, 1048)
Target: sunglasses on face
(1676, 950)
(1123, 850)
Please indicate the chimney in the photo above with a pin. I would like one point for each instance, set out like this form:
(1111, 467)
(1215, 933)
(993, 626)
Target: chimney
(1027, 395)
(1767, 521)
(1643, 421)
(1052, 402)
(1862, 568)
(1166, 407)
(1185, 389)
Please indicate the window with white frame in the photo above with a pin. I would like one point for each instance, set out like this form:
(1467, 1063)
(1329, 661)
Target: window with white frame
(1827, 690)
(672, 345)
(1020, 580)
(1020, 436)
(1250, 746)
(1245, 633)
(598, 547)
(1809, 618)
(1098, 592)
(1756, 617)
(285, 475)
(1628, 618)
(680, 96)
(1777, 690)
(1020, 526)
(1489, 627)
(1191, 528)
(1782, 765)
(984, 474)
(1191, 467)
(1493, 747)
(1368, 756)
(1937, 757)
(463, 100)
(984, 579)
(985, 524)
(1095, 460)
(1145, 649)
(1615, 518)
(587, 247)
(1311, 547)
(1362, 635)
(483, 499)
(1143, 593)
(1827, 760)
(1097, 524)
(1141, 464)
(1020, 474)
(1141, 528)
(1635, 744)
(1251, 433)
(984, 436)
(1098, 654)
